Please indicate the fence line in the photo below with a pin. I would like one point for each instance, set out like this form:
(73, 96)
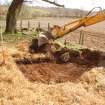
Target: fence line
(81, 39)
(91, 33)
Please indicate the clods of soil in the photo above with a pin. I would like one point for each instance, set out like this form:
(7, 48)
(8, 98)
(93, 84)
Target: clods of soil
(57, 64)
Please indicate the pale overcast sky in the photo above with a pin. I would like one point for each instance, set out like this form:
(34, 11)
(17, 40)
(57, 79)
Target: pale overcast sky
(80, 4)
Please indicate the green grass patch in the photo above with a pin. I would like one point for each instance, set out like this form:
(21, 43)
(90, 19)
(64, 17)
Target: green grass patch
(13, 38)
(75, 47)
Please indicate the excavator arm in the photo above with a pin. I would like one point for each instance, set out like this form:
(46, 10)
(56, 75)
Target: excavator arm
(88, 20)
(58, 31)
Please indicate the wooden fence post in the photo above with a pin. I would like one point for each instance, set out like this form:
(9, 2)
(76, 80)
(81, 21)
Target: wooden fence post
(81, 39)
(38, 25)
(21, 24)
(28, 25)
(48, 26)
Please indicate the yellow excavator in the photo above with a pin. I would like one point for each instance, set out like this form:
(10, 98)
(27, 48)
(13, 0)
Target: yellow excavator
(43, 44)
(58, 31)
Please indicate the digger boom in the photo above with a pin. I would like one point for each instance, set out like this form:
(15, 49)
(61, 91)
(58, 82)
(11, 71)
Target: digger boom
(88, 20)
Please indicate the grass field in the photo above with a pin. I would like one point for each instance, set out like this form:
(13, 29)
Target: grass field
(94, 36)
(48, 83)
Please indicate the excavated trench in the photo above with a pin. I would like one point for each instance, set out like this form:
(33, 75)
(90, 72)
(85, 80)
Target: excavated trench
(62, 67)
(52, 72)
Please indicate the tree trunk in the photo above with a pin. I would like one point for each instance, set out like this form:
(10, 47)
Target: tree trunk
(12, 15)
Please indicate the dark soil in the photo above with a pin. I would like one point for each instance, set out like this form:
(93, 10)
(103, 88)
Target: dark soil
(67, 65)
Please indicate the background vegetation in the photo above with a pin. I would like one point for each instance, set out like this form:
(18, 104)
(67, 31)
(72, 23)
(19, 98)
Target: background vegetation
(33, 12)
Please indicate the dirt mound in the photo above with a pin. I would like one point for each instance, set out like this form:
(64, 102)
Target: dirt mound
(17, 90)
(80, 86)
(63, 54)
(41, 69)
(45, 71)
(52, 63)
(52, 72)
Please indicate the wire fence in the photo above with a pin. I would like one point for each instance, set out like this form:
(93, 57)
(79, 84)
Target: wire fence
(85, 38)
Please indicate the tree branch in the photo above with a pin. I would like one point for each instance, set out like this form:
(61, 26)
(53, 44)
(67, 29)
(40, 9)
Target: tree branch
(30, 1)
(54, 3)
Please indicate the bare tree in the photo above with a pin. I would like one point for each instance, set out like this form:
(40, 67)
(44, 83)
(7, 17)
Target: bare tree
(12, 14)
(14, 11)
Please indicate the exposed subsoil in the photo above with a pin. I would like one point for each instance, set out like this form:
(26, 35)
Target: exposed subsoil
(50, 71)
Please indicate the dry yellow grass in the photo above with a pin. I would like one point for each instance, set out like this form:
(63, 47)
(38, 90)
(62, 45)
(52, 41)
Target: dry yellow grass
(15, 89)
